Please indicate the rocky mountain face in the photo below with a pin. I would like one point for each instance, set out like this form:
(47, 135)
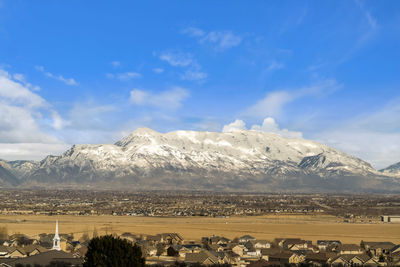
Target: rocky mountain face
(181, 160)
(392, 169)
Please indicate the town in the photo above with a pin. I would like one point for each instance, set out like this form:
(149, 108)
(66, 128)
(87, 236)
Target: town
(171, 249)
(349, 208)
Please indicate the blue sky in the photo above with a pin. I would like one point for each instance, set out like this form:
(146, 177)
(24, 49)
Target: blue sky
(94, 71)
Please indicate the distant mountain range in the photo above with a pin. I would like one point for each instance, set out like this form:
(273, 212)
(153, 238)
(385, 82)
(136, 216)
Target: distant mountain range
(189, 160)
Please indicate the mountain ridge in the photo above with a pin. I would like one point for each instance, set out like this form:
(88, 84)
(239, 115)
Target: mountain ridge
(239, 160)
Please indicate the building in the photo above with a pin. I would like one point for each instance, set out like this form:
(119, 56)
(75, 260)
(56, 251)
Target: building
(56, 239)
(390, 218)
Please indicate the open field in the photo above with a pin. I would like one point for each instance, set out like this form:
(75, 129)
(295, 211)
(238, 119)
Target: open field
(193, 228)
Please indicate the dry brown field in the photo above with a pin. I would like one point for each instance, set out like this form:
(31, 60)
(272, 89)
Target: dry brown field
(193, 228)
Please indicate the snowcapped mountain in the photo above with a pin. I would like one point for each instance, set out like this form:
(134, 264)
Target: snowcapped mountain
(392, 169)
(20, 168)
(240, 160)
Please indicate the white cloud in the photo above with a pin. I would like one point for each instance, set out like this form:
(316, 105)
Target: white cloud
(275, 66)
(125, 76)
(234, 126)
(67, 81)
(19, 124)
(23, 115)
(31, 151)
(13, 91)
(58, 122)
(139, 97)
(220, 39)
(194, 32)
(128, 76)
(272, 103)
(116, 64)
(158, 70)
(224, 39)
(269, 125)
(170, 99)
(177, 59)
(193, 75)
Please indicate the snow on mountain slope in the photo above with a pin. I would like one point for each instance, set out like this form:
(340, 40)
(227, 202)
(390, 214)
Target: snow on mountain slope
(189, 159)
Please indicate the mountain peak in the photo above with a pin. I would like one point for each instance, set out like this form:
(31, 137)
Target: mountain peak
(392, 169)
(139, 135)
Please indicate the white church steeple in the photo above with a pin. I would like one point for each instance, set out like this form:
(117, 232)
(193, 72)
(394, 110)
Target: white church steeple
(56, 239)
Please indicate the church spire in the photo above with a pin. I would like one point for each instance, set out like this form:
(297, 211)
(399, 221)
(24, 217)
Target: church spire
(56, 239)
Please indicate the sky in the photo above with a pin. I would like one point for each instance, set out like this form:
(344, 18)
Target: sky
(88, 72)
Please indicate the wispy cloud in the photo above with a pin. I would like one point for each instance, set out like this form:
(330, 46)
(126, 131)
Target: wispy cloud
(116, 64)
(372, 22)
(169, 99)
(177, 59)
(67, 81)
(158, 70)
(272, 103)
(274, 66)
(185, 60)
(220, 39)
(193, 75)
(125, 76)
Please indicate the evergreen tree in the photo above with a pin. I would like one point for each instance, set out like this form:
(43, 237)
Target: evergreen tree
(108, 251)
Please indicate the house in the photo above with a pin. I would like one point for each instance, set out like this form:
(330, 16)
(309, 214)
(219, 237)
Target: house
(31, 250)
(378, 248)
(15, 252)
(185, 249)
(231, 258)
(324, 244)
(267, 252)
(173, 251)
(171, 238)
(223, 241)
(350, 249)
(216, 247)
(350, 260)
(316, 259)
(249, 245)
(182, 250)
(282, 257)
(253, 253)
(261, 244)
(204, 257)
(246, 238)
(239, 249)
(263, 263)
(293, 243)
(394, 253)
(297, 258)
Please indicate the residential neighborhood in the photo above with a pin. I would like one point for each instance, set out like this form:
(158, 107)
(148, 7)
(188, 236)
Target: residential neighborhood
(171, 249)
(347, 208)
